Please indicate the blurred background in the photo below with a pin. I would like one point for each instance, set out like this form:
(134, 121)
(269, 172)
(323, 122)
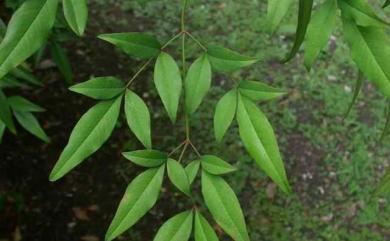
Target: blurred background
(333, 165)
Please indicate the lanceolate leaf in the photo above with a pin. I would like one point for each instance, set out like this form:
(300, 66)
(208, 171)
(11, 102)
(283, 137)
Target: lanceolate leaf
(277, 9)
(178, 176)
(319, 31)
(31, 124)
(304, 15)
(361, 12)
(384, 185)
(5, 113)
(178, 228)
(18, 103)
(197, 83)
(62, 61)
(356, 91)
(225, 60)
(370, 51)
(192, 170)
(26, 75)
(27, 31)
(76, 14)
(141, 195)
(140, 45)
(89, 134)
(101, 88)
(259, 139)
(138, 118)
(168, 83)
(203, 230)
(224, 206)
(224, 114)
(146, 158)
(215, 165)
(258, 91)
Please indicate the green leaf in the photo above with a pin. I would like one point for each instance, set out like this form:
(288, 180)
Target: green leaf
(197, 83)
(356, 92)
(259, 139)
(27, 32)
(192, 170)
(76, 14)
(168, 83)
(89, 134)
(178, 228)
(386, 129)
(140, 196)
(276, 11)
(2, 130)
(203, 230)
(178, 176)
(62, 61)
(225, 60)
(319, 31)
(18, 103)
(361, 12)
(224, 206)
(138, 118)
(146, 158)
(304, 15)
(387, 3)
(384, 185)
(224, 114)
(6, 114)
(140, 45)
(258, 91)
(101, 88)
(216, 166)
(370, 51)
(31, 124)
(26, 75)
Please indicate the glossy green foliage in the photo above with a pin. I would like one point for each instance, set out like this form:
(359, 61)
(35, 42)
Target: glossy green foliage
(258, 91)
(140, 197)
(215, 165)
(146, 158)
(192, 170)
(203, 230)
(140, 45)
(361, 12)
(62, 61)
(178, 228)
(224, 114)
(20, 104)
(89, 134)
(27, 31)
(76, 14)
(31, 124)
(178, 176)
(276, 11)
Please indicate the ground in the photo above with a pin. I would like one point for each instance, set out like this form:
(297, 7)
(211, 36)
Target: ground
(333, 164)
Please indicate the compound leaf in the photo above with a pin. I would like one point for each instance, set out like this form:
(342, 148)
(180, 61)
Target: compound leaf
(370, 51)
(224, 206)
(140, 45)
(168, 83)
(197, 83)
(138, 118)
(259, 139)
(76, 14)
(27, 31)
(140, 196)
(178, 228)
(203, 230)
(319, 31)
(216, 166)
(178, 176)
(146, 158)
(224, 114)
(100, 88)
(89, 134)
(225, 60)
(31, 124)
(258, 91)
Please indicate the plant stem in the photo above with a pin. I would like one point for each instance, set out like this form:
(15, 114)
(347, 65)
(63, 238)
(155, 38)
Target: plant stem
(196, 41)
